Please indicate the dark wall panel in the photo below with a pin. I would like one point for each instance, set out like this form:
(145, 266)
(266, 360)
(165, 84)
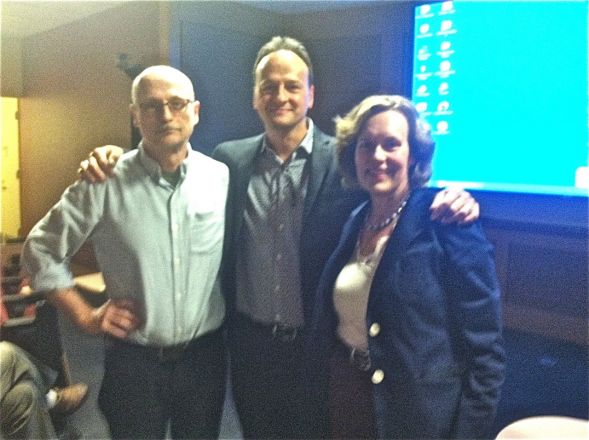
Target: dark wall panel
(346, 71)
(219, 62)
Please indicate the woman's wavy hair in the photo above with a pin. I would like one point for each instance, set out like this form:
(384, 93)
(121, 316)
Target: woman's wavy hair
(421, 143)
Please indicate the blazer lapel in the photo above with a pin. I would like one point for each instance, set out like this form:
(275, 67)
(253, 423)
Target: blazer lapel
(411, 223)
(244, 170)
(321, 159)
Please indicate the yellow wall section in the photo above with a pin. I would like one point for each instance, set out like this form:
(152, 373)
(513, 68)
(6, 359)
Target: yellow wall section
(10, 212)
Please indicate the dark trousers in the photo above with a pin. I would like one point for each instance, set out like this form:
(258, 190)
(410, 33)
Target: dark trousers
(351, 404)
(272, 396)
(142, 390)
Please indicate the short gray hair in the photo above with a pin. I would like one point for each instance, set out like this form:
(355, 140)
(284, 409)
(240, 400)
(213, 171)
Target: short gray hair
(284, 43)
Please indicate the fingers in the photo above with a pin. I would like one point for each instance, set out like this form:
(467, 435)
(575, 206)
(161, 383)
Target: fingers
(473, 214)
(91, 171)
(120, 318)
(100, 163)
(454, 205)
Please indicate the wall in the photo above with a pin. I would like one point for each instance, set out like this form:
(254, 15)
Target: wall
(75, 98)
(11, 67)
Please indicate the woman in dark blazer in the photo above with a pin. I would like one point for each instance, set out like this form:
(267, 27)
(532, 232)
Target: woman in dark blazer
(407, 321)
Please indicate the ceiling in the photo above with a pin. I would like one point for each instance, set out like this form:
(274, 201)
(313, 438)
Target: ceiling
(27, 17)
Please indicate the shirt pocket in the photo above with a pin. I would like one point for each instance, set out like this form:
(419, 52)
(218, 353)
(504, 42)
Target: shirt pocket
(206, 231)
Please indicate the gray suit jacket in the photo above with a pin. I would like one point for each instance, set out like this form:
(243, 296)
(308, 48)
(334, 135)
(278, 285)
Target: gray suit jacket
(327, 206)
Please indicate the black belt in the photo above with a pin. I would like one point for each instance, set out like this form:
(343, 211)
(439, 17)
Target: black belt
(359, 359)
(275, 331)
(171, 353)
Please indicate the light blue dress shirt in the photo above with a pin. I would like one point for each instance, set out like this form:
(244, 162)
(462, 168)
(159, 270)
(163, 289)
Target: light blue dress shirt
(156, 243)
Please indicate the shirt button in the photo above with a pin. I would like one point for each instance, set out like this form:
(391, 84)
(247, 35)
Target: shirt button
(281, 226)
(374, 329)
(277, 288)
(278, 257)
(377, 377)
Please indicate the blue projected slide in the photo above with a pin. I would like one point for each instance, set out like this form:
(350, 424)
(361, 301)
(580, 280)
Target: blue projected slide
(504, 86)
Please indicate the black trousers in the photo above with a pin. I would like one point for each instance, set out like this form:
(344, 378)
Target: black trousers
(351, 403)
(142, 390)
(273, 398)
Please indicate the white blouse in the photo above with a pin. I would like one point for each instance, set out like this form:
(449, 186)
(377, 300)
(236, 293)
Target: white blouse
(350, 295)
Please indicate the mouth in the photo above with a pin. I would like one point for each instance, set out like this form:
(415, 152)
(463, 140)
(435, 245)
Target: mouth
(376, 174)
(280, 110)
(166, 130)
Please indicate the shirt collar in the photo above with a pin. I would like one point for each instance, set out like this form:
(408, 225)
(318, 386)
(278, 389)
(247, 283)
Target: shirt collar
(306, 144)
(153, 168)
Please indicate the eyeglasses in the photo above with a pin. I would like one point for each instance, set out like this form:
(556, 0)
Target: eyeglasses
(176, 105)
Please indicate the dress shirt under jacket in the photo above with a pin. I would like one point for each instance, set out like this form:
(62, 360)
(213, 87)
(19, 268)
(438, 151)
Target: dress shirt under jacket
(268, 278)
(156, 243)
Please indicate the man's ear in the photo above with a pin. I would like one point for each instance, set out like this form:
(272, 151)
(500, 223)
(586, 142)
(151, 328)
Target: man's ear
(254, 99)
(311, 96)
(134, 115)
(196, 108)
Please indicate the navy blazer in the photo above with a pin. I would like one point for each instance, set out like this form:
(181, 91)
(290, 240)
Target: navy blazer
(327, 207)
(436, 298)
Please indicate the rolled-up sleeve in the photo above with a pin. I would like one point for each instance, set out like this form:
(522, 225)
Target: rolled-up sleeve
(53, 241)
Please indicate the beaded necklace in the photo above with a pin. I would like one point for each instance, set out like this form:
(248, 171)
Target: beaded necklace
(387, 221)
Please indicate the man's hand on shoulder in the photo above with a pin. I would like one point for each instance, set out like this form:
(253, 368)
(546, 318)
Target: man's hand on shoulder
(454, 205)
(100, 163)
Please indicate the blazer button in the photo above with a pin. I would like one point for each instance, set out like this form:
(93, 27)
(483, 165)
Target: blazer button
(374, 329)
(377, 377)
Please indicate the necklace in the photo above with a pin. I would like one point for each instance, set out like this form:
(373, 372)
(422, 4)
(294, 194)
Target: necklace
(387, 221)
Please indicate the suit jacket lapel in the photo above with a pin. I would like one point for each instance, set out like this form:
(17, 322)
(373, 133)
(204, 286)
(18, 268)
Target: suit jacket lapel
(245, 168)
(321, 158)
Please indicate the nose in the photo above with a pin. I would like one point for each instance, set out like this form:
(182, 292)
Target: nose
(166, 112)
(280, 93)
(379, 153)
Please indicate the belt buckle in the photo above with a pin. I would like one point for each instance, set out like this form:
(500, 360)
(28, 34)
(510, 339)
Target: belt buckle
(360, 359)
(283, 333)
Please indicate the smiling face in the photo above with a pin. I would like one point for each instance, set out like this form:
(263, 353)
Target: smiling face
(382, 155)
(163, 128)
(282, 94)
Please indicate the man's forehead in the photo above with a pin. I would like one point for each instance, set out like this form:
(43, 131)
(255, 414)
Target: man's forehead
(283, 60)
(169, 86)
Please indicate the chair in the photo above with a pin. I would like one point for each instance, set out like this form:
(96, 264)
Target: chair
(546, 427)
(33, 325)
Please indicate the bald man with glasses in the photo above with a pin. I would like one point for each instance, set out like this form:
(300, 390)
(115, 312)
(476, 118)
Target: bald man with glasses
(157, 229)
